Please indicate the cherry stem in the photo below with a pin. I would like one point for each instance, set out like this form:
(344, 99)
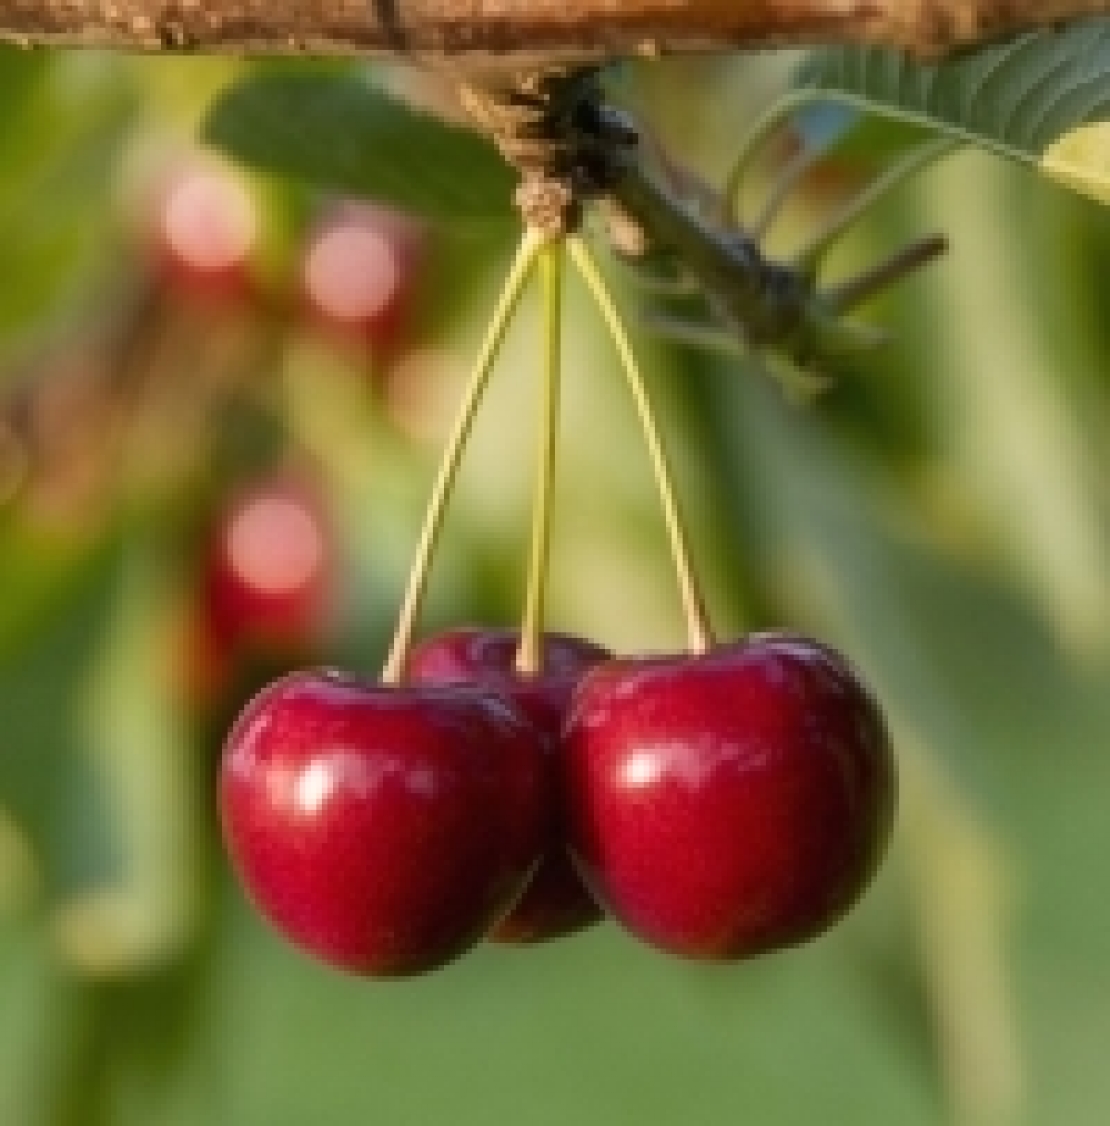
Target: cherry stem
(530, 248)
(529, 656)
(699, 634)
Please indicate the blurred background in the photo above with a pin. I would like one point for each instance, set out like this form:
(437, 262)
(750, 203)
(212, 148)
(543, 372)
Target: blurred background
(221, 405)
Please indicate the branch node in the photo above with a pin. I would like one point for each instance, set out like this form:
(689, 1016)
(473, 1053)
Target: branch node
(553, 127)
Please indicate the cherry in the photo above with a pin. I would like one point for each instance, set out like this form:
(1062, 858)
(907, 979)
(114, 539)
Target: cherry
(383, 829)
(269, 569)
(360, 273)
(555, 902)
(205, 230)
(728, 804)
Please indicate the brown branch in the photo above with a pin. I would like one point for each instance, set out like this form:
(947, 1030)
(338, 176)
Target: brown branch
(518, 31)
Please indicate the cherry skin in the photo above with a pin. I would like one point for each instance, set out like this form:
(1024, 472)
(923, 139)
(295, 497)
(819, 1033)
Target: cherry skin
(724, 805)
(270, 567)
(382, 829)
(204, 233)
(266, 592)
(361, 273)
(555, 902)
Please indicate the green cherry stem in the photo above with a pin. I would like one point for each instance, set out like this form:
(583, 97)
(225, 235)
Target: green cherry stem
(699, 634)
(531, 246)
(529, 656)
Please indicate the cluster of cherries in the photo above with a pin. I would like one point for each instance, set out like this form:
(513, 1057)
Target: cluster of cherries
(719, 803)
(718, 806)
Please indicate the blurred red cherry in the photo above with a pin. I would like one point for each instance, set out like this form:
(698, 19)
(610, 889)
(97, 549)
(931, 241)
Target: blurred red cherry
(205, 231)
(360, 274)
(265, 591)
(268, 573)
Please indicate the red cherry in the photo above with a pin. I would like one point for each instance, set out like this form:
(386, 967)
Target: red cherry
(382, 829)
(206, 227)
(269, 572)
(728, 804)
(555, 902)
(360, 273)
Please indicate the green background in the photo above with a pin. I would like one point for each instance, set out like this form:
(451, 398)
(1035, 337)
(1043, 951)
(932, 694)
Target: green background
(941, 513)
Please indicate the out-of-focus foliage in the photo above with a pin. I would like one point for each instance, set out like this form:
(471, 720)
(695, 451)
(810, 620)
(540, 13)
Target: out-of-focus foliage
(1041, 97)
(941, 513)
(340, 132)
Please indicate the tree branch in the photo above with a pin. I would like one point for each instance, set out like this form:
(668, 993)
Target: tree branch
(513, 32)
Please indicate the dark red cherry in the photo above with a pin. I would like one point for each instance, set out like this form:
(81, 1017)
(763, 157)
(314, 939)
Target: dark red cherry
(555, 902)
(382, 829)
(728, 804)
(488, 656)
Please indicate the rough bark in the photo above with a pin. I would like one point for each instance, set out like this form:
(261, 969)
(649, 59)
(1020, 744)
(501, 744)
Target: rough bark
(514, 32)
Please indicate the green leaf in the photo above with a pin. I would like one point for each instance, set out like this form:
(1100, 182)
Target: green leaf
(134, 748)
(64, 117)
(1042, 98)
(340, 132)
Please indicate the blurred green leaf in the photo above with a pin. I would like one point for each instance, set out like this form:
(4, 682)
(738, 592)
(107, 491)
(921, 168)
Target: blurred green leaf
(1042, 97)
(35, 1026)
(340, 132)
(62, 121)
(998, 710)
(596, 1030)
(133, 741)
(41, 669)
(21, 75)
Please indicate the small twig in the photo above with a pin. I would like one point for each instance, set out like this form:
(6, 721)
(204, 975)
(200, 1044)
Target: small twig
(846, 296)
(810, 255)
